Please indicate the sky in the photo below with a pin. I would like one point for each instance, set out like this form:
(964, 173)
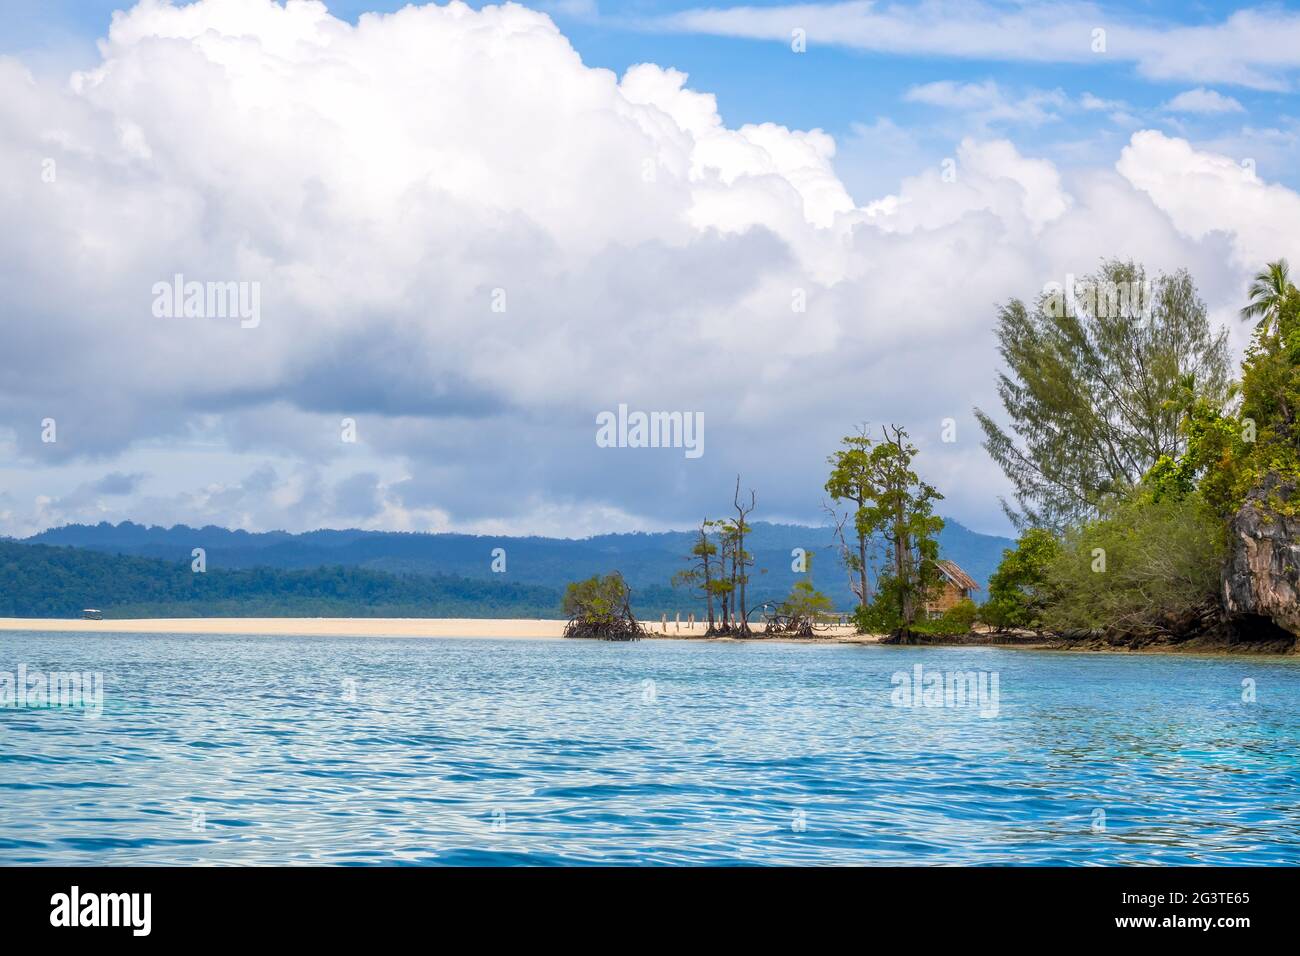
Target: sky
(464, 232)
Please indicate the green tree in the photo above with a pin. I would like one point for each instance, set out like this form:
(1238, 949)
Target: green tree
(902, 511)
(724, 587)
(1211, 463)
(600, 599)
(702, 575)
(600, 607)
(1270, 408)
(1096, 388)
(1268, 291)
(1018, 592)
(851, 480)
(1230, 451)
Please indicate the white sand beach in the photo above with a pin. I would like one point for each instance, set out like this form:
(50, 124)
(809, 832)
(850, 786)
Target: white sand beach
(344, 627)
(299, 626)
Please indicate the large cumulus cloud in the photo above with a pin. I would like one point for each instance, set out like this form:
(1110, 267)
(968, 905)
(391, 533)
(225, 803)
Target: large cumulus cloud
(387, 183)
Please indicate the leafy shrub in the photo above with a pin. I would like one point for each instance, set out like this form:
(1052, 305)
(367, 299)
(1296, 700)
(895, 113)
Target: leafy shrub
(958, 619)
(1017, 589)
(597, 600)
(881, 615)
(1141, 561)
(806, 603)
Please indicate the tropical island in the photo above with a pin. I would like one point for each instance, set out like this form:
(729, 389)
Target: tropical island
(1154, 502)
(1155, 493)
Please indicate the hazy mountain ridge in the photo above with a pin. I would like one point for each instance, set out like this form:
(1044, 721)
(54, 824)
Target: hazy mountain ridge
(647, 559)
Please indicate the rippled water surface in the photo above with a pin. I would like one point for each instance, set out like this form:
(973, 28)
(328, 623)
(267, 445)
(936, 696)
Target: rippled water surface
(250, 750)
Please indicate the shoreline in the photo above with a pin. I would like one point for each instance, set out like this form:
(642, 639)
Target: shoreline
(485, 628)
(548, 629)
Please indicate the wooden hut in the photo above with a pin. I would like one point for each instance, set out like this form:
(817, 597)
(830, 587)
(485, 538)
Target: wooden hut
(955, 585)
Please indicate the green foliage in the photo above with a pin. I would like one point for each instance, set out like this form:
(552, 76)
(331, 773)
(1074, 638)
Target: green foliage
(853, 478)
(704, 572)
(647, 561)
(1214, 446)
(1230, 452)
(1138, 562)
(882, 615)
(1268, 291)
(720, 572)
(1096, 390)
(963, 614)
(958, 619)
(1017, 589)
(600, 599)
(1143, 460)
(1270, 405)
(893, 502)
(806, 603)
(904, 508)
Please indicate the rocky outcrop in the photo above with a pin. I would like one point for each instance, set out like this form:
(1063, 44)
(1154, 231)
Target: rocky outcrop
(1261, 580)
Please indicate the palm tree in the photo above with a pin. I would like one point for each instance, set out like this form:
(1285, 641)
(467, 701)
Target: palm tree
(1267, 293)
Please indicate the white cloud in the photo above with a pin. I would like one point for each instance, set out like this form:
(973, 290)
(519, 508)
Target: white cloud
(990, 178)
(1201, 100)
(1257, 48)
(648, 254)
(986, 102)
(720, 158)
(957, 96)
(1204, 193)
(1091, 102)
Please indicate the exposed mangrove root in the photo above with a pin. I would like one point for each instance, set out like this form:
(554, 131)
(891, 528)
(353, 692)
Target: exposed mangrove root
(906, 636)
(623, 629)
(789, 626)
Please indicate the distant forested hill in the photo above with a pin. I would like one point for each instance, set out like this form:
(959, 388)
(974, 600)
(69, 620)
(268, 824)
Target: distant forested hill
(648, 561)
(43, 581)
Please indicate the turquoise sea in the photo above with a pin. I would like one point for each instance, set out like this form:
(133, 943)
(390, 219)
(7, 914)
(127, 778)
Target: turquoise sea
(272, 750)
